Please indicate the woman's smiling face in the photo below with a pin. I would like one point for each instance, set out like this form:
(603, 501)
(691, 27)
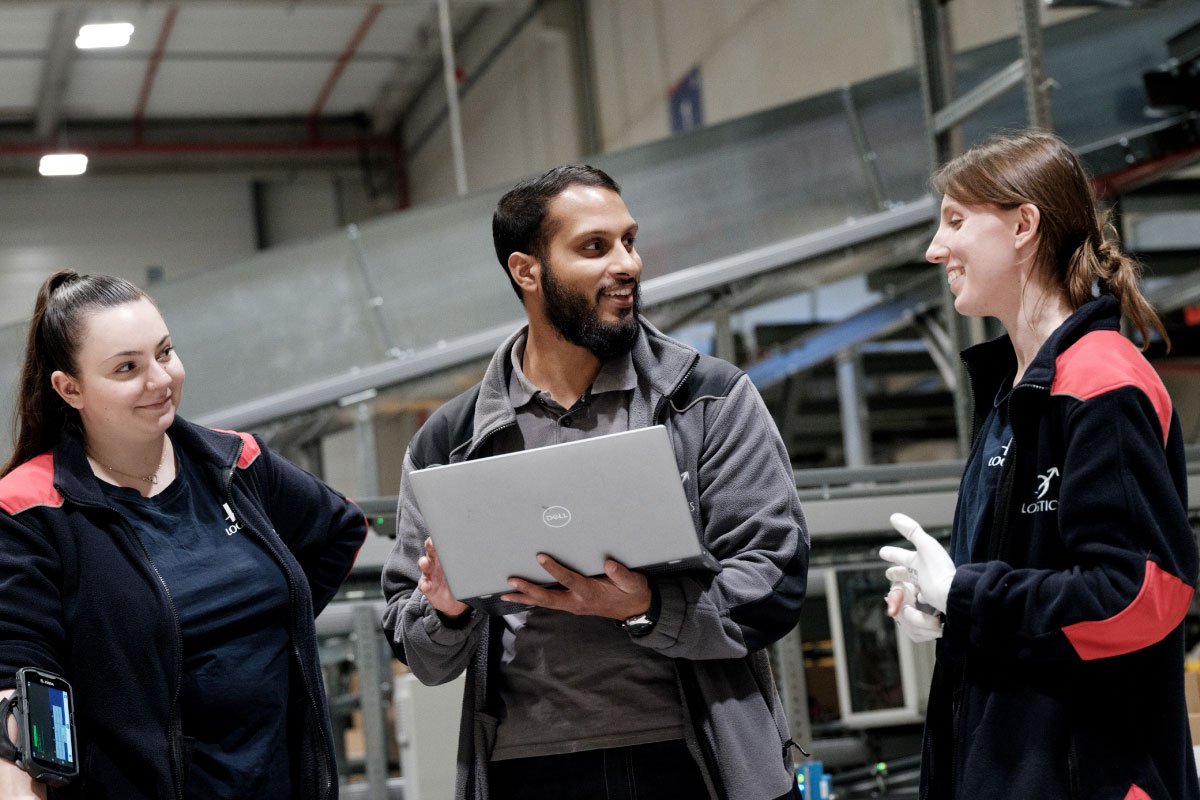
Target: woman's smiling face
(978, 247)
(128, 380)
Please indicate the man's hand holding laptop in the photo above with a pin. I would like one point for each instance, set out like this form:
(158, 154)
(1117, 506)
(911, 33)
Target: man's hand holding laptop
(619, 595)
(433, 585)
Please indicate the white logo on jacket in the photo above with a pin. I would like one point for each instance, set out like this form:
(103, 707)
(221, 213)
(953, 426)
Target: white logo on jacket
(1039, 503)
(998, 460)
(236, 526)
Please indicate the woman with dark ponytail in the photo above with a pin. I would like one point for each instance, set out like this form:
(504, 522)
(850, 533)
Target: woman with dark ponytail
(169, 572)
(41, 413)
(1059, 607)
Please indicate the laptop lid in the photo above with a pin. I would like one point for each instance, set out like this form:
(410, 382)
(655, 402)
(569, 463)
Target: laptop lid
(615, 496)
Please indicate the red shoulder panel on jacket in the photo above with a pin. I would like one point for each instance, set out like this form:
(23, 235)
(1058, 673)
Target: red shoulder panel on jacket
(1160, 605)
(30, 485)
(1105, 360)
(250, 448)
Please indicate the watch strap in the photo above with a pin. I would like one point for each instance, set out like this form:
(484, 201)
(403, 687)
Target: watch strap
(642, 624)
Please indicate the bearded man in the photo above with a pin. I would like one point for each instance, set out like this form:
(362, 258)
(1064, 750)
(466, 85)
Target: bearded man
(619, 685)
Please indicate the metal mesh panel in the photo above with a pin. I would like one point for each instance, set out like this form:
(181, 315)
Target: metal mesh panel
(436, 272)
(286, 316)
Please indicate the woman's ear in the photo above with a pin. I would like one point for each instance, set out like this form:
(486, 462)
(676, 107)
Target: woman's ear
(526, 271)
(67, 388)
(1028, 223)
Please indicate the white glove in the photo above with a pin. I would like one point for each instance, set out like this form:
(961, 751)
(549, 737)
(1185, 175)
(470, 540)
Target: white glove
(918, 625)
(929, 567)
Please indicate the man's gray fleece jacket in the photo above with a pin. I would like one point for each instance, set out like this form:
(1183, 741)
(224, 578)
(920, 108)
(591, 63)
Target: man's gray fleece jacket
(742, 493)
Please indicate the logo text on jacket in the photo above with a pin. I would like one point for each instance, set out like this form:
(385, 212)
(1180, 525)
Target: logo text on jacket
(1040, 503)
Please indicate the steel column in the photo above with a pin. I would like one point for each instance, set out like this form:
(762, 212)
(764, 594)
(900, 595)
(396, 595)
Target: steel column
(856, 439)
(1037, 87)
(449, 75)
(372, 687)
(366, 449)
(793, 687)
(934, 59)
(723, 345)
(931, 35)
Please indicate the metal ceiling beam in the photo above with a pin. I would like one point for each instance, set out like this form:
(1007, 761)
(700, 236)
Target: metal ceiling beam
(335, 75)
(56, 70)
(160, 46)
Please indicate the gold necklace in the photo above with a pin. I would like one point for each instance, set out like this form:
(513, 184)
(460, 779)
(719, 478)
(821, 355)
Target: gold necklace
(152, 478)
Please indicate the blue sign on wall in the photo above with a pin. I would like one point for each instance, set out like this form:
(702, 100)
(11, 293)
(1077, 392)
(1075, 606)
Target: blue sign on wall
(686, 109)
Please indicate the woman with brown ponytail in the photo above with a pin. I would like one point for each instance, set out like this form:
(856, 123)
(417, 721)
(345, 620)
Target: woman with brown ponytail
(169, 572)
(1058, 610)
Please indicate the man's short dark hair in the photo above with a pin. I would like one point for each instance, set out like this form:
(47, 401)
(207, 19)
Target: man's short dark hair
(518, 226)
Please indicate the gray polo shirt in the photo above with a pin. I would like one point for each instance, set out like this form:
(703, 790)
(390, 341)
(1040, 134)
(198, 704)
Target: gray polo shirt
(572, 683)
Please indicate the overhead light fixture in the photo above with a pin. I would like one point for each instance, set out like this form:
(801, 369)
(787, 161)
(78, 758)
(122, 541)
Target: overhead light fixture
(53, 164)
(104, 34)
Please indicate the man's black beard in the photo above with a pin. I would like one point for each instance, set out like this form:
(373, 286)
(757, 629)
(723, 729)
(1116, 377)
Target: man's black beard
(576, 319)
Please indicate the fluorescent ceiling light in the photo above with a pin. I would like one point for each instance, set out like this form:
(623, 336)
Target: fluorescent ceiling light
(63, 164)
(108, 34)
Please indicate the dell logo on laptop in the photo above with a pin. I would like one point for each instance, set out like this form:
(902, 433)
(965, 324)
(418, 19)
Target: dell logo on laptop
(556, 516)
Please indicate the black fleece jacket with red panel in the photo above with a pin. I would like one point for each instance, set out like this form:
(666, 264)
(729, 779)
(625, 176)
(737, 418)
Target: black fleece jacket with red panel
(1060, 674)
(80, 597)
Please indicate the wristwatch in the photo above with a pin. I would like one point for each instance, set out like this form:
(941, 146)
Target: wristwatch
(642, 624)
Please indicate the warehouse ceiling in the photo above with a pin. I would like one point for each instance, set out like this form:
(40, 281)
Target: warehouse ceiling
(207, 84)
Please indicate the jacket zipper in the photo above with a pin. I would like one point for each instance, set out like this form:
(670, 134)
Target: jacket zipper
(712, 763)
(662, 402)
(711, 766)
(996, 545)
(956, 726)
(174, 726)
(327, 748)
(998, 541)
(998, 538)
(474, 448)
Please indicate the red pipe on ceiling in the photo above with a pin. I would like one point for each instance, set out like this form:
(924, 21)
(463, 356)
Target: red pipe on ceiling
(340, 66)
(160, 47)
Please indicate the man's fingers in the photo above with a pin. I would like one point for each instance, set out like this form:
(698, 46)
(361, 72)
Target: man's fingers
(531, 594)
(623, 578)
(430, 552)
(898, 555)
(898, 574)
(566, 577)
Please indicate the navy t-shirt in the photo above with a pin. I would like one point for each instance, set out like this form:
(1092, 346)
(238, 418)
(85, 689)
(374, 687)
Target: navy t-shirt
(977, 497)
(231, 598)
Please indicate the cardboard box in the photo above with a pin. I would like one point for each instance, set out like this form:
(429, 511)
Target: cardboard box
(822, 692)
(1191, 691)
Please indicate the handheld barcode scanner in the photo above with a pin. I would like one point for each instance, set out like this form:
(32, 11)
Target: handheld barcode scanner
(45, 712)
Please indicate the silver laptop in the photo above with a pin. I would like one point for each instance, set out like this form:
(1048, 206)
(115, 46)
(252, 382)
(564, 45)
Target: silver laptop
(617, 496)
